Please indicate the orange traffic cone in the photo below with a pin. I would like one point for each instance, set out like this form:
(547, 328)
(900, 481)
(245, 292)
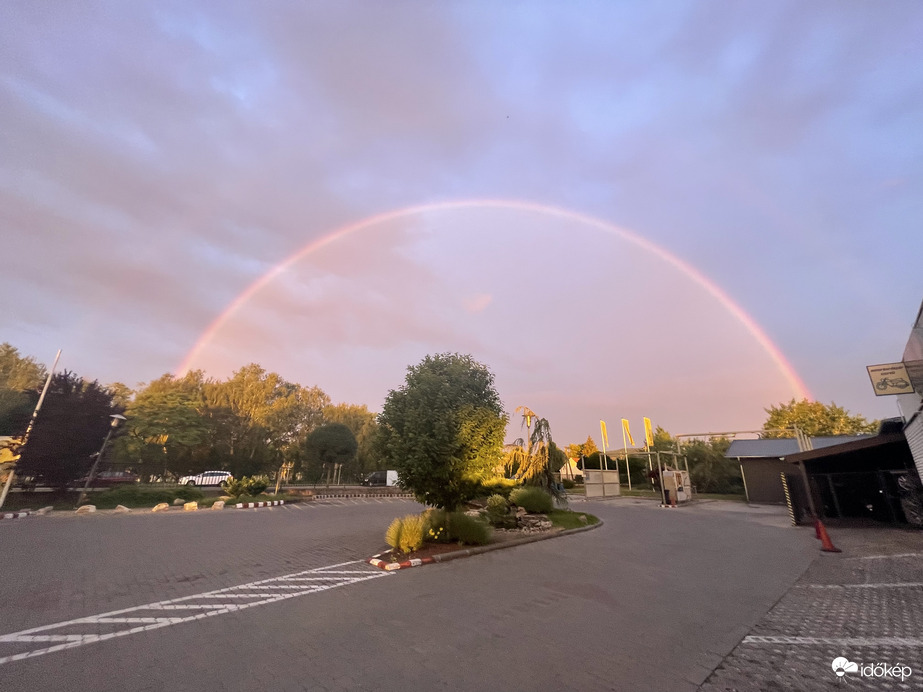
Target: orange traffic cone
(826, 544)
(817, 528)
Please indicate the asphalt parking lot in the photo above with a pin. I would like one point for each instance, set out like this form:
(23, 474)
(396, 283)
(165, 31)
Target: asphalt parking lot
(653, 600)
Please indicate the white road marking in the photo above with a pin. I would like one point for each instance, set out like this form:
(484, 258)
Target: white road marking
(263, 591)
(837, 641)
(887, 557)
(891, 585)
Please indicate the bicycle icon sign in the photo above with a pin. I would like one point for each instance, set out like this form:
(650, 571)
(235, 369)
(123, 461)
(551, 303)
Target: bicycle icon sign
(890, 379)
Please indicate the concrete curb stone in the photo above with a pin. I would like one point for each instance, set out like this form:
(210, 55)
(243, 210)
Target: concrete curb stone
(255, 505)
(14, 515)
(376, 560)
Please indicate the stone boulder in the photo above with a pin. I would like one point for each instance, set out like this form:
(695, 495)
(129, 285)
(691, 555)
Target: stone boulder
(162, 507)
(44, 510)
(86, 509)
(178, 501)
(218, 505)
(121, 509)
(190, 506)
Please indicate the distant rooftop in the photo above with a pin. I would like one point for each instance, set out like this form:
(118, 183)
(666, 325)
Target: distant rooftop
(763, 448)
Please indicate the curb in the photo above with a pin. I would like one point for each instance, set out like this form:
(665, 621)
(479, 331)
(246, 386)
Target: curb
(374, 497)
(255, 505)
(376, 560)
(14, 515)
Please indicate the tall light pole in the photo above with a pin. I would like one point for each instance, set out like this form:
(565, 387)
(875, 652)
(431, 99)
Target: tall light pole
(116, 419)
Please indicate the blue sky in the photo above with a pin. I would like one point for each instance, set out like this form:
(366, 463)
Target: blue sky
(156, 160)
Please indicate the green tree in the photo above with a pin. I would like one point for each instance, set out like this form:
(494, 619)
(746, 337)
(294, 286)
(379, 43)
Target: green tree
(363, 424)
(328, 445)
(122, 394)
(166, 430)
(443, 429)
(21, 379)
(576, 451)
(18, 373)
(709, 470)
(69, 431)
(815, 419)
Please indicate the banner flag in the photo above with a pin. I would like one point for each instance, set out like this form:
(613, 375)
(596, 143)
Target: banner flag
(627, 431)
(648, 433)
(602, 430)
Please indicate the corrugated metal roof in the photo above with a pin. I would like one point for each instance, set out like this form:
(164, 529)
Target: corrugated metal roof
(783, 447)
(762, 448)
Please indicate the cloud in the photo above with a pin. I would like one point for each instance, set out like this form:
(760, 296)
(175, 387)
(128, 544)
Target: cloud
(477, 303)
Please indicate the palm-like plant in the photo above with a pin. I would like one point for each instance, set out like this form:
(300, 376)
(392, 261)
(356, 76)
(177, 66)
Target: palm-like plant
(534, 458)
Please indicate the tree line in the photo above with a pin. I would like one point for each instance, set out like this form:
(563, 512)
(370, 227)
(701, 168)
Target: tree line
(249, 424)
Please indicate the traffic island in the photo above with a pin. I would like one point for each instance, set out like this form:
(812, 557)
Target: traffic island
(430, 553)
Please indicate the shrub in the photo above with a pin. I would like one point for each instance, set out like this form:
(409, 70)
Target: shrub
(406, 534)
(499, 486)
(532, 499)
(393, 534)
(497, 504)
(568, 484)
(235, 487)
(413, 531)
(449, 527)
(468, 530)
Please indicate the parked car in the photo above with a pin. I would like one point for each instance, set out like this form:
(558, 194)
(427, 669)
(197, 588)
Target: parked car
(207, 478)
(104, 478)
(379, 478)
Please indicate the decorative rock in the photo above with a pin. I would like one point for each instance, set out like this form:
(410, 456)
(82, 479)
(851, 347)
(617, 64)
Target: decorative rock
(535, 523)
(86, 509)
(162, 507)
(190, 506)
(44, 510)
(121, 509)
(218, 505)
(582, 519)
(178, 501)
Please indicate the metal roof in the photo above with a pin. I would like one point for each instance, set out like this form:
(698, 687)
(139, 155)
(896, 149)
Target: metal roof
(777, 448)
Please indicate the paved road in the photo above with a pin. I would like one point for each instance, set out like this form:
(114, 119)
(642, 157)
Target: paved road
(653, 600)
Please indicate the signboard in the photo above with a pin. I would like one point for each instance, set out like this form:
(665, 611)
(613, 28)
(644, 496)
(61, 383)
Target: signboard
(890, 378)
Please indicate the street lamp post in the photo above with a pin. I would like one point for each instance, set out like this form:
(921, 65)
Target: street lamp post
(116, 419)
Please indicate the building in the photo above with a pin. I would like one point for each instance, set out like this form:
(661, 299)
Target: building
(763, 460)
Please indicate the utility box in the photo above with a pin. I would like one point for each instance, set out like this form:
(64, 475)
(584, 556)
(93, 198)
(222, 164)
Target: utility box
(676, 485)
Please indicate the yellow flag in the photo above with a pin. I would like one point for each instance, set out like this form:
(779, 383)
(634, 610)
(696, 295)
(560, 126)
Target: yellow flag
(602, 430)
(627, 431)
(648, 433)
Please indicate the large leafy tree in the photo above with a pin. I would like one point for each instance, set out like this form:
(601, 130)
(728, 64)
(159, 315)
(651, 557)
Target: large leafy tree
(72, 425)
(259, 420)
(166, 428)
(328, 445)
(813, 419)
(443, 429)
(575, 451)
(21, 379)
(363, 425)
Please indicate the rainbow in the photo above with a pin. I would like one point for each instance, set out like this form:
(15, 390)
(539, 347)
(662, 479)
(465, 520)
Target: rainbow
(785, 368)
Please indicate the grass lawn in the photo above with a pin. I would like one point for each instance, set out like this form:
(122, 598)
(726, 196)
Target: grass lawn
(566, 519)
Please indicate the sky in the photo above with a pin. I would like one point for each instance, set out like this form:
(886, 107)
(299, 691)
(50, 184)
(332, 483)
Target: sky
(689, 211)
